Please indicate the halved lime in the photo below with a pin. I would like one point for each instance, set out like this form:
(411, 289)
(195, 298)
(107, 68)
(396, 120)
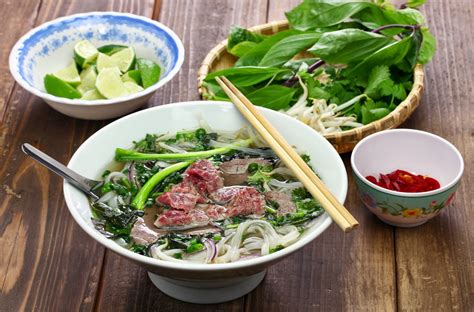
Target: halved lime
(109, 83)
(105, 61)
(85, 53)
(88, 78)
(125, 59)
(132, 76)
(69, 74)
(58, 87)
(110, 49)
(92, 95)
(150, 72)
(132, 87)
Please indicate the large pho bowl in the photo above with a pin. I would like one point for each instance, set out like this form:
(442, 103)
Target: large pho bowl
(200, 282)
(49, 48)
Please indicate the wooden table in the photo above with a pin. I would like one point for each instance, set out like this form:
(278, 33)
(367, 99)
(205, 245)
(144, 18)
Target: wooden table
(48, 263)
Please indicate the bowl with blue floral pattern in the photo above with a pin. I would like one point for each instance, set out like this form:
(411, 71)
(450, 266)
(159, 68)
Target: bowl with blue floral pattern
(50, 47)
(417, 152)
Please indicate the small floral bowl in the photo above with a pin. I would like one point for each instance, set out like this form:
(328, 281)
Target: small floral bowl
(414, 151)
(50, 47)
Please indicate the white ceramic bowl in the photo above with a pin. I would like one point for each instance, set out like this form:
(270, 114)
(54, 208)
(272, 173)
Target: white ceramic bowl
(49, 48)
(414, 151)
(200, 282)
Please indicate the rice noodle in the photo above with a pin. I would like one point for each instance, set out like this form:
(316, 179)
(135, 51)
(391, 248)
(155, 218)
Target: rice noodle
(172, 148)
(114, 176)
(285, 185)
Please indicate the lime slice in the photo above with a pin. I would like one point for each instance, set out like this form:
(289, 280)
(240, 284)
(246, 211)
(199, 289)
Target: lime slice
(84, 53)
(110, 84)
(92, 95)
(132, 87)
(150, 72)
(125, 59)
(69, 74)
(58, 87)
(110, 49)
(105, 61)
(132, 76)
(88, 78)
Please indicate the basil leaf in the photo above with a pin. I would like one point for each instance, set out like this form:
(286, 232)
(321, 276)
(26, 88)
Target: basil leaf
(246, 76)
(415, 3)
(388, 55)
(275, 97)
(242, 48)
(428, 46)
(238, 35)
(288, 47)
(254, 56)
(313, 14)
(348, 45)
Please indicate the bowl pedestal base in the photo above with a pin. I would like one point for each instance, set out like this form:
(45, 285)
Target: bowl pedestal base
(207, 291)
(405, 225)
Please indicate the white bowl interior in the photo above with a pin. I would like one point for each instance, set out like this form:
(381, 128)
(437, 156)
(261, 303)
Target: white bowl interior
(49, 48)
(96, 154)
(411, 150)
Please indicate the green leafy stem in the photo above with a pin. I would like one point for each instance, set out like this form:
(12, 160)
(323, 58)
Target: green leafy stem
(124, 155)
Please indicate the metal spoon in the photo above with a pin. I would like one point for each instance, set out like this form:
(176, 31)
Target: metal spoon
(88, 186)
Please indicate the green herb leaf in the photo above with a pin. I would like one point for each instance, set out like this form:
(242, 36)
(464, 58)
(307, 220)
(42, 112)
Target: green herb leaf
(254, 56)
(275, 97)
(348, 45)
(428, 46)
(238, 35)
(242, 48)
(388, 55)
(415, 3)
(288, 47)
(246, 76)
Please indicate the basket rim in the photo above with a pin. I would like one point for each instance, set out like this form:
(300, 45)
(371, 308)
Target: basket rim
(410, 102)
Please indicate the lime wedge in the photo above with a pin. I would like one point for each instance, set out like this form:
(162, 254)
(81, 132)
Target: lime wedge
(84, 53)
(58, 87)
(109, 83)
(105, 61)
(88, 78)
(132, 76)
(150, 72)
(69, 74)
(132, 87)
(125, 59)
(110, 49)
(92, 95)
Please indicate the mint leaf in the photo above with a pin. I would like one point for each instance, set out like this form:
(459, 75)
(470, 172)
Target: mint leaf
(428, 46)
(378, 76)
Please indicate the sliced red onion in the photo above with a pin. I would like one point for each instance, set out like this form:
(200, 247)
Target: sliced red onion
(211, 249)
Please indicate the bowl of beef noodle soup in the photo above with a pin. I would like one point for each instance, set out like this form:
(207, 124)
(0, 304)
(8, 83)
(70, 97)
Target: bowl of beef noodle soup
(191, 192)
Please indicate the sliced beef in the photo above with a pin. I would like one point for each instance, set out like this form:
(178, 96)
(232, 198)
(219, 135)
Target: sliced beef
(183, 196)
(142, 234)
(178, 217)
(235, 171)
(204, 176)
(246, 201)
(214, 212)
(225, 194)
(284, 202)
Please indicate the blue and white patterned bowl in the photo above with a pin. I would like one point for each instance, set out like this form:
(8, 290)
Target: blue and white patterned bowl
(49, 48)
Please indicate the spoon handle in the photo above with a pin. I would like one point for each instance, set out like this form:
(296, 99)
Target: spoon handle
(72, 177)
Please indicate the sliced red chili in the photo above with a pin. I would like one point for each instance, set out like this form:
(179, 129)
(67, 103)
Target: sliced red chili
(404, 181)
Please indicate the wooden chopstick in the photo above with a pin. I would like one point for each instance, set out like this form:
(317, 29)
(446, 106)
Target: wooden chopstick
(289, 156)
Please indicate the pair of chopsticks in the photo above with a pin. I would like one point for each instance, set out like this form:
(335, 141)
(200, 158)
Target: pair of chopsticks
(288, 155)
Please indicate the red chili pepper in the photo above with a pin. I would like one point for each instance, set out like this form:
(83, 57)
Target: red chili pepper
(403, 181)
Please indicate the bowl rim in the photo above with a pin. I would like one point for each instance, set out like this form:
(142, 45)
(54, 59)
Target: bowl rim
(13, 65)
(192, 266)
(442, 189)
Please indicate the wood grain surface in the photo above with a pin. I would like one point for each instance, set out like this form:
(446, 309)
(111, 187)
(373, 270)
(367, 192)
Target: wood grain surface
(48, 264)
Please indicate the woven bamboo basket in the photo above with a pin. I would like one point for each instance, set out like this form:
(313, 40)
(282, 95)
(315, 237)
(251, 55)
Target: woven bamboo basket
(344, 141)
